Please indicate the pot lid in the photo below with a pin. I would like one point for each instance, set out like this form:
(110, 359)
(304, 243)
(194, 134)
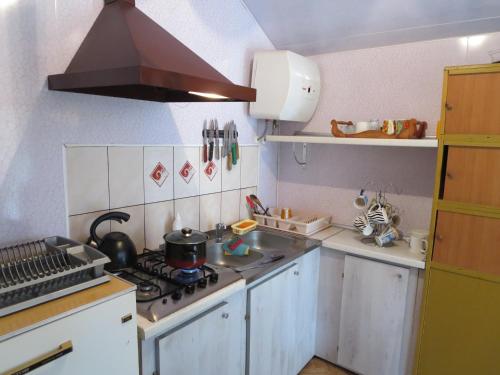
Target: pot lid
(186, 236)
(126, 54)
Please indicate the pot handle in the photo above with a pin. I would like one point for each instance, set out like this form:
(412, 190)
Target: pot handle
(115, 215)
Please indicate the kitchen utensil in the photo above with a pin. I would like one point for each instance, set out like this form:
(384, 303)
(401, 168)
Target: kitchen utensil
(217, 146)
(254, 198)
(211, 134)
(286, 213)
(272, 259)
(205, 141)
(186, 249)
(225, 141)
(361, 201)
(362, 224)
(236, 147)
(377, 214)
(43, 270)
(116, 245)
(419, 240)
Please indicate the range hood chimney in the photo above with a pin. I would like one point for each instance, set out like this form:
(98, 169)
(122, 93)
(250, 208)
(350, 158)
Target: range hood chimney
(128, 55)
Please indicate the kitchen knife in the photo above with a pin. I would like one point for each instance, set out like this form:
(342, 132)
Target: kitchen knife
(234, 157)
(217, 149)
(205, 151)
(211, 140)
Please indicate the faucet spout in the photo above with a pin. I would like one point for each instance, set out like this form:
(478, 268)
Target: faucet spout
(219, 232)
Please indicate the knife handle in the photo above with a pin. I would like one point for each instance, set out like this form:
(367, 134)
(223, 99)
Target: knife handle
(205, 156)
(233, 153)
(237, 151)
(211, 151)
(229, 162)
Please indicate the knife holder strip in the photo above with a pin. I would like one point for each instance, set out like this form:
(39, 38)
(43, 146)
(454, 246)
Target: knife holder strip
(207, 133)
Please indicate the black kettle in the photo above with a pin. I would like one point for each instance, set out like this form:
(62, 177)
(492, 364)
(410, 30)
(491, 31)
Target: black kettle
(116, 245)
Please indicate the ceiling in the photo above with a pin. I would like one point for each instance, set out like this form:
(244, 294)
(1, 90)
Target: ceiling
(313, 27)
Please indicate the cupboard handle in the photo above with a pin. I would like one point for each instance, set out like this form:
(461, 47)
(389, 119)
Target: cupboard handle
(296, 273)
(62, 350)
(448, 107)
(225, 316)
(439, 237)
(449, 175)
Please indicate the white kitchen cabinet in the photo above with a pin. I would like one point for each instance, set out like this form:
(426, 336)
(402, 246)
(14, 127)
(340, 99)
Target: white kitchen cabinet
(103, 339)
(331, 271)
(372, 319)
(272, 323)
(282, 310)
(305, 307)
(212, 343)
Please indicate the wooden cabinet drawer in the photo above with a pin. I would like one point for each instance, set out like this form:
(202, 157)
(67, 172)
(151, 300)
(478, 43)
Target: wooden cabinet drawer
(462, 326)
(473, 175)
(467, 241)
(472, 104)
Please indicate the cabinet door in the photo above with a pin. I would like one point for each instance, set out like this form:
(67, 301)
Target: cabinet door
(329, 301)
(306, 309)
(272, 324)
(102, 342)
(476, 248)
(472, 104)
(372, 316)
(473, 175)
(212, 343)
(461, 334)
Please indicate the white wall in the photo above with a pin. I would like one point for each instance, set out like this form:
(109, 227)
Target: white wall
(39, 37)
(394, 82)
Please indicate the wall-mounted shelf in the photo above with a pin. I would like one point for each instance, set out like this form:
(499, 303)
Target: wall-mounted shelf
(326, 138)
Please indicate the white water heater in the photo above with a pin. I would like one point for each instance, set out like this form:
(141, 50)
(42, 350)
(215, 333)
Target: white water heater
(287, 85)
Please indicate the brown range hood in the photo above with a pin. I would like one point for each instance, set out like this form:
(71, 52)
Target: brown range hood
(128, 55)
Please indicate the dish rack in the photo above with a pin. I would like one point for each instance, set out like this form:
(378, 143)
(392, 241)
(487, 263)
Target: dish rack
(302, 222)
(39, 271)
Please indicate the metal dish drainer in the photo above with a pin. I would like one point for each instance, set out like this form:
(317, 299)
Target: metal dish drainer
(39, 271)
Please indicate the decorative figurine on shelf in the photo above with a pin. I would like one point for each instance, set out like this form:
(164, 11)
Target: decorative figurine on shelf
(379, 219)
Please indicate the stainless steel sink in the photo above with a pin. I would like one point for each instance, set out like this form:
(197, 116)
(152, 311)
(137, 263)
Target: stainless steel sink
(215, 256)
(263, 246)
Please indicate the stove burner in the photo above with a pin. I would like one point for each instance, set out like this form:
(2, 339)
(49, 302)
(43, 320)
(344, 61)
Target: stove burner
(145, 287)
(188, 276)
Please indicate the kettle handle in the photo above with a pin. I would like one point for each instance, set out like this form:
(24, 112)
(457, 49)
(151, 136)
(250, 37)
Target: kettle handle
(115, 215)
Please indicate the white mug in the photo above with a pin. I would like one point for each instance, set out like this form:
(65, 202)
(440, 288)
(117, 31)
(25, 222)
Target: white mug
(361, 201)
(418, 240)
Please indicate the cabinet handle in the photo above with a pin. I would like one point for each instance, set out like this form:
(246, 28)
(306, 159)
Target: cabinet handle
(296, 273)
(225, 316)
(449, 175)
(439, 237)
(448, 107)
(63, 349)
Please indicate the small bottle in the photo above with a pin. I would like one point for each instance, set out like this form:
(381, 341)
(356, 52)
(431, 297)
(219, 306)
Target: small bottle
(177, 224)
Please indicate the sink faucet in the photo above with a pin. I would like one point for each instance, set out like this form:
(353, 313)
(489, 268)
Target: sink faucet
(219, 232)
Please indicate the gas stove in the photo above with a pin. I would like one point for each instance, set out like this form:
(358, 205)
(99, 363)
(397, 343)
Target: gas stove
(162, 290)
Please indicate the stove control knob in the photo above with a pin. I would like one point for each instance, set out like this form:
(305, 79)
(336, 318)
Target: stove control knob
(164, 301)
(177, 295)
(214, 278)
(202, 283)
(189, 289)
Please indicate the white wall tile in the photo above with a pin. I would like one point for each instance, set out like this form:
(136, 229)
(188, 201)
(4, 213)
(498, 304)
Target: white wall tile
(87, 179)
(230, 207)
(79, 226)
(126, 187)
(207, 185)
(134, 228)
(159, 163)
(158, 218)
(191, 186)
(249, 166)
(245, 212)
(189, 209)
(231, 179)
(209, 211)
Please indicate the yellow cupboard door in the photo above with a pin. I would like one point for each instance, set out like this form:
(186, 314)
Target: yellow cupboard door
(473, 175)
(472, 104)
(461, 328)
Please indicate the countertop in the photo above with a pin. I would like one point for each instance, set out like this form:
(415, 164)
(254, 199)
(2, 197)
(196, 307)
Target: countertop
(349, 241)
(36, 316)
